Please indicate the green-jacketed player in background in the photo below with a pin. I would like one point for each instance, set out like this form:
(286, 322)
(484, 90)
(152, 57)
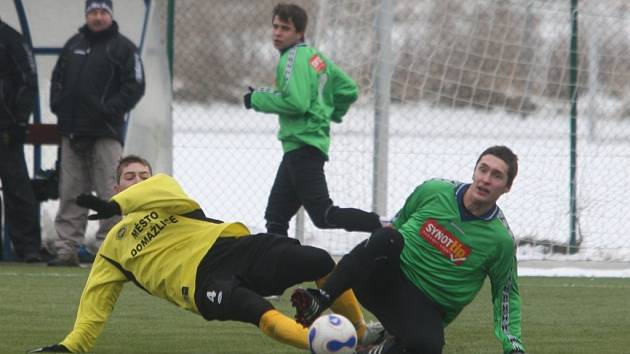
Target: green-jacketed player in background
(419, 274)
(310, 92)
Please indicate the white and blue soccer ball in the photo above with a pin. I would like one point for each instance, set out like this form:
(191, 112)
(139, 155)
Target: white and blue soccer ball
(332, 334)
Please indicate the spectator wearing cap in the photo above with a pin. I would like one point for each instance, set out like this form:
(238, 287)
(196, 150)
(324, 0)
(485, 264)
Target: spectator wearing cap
(97, 80)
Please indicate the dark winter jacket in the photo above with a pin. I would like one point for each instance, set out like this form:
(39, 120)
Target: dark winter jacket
(98, 78)
(18, 79)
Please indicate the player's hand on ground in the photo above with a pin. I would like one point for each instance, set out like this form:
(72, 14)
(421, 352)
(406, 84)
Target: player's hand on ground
(104, 209)
(55, 348)
(247, 99)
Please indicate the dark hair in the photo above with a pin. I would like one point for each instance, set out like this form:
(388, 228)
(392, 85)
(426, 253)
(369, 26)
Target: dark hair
(292, 12)
(505, 154)
(128, 160)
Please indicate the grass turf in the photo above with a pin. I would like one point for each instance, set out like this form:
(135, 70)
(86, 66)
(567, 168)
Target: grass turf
(560, 315)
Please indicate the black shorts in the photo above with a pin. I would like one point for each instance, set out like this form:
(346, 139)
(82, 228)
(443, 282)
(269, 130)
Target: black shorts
(237, 273)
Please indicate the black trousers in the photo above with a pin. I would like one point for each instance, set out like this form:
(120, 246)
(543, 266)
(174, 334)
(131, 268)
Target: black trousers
(372, 270)
(21, 208)
(237, 273)
(300, 180)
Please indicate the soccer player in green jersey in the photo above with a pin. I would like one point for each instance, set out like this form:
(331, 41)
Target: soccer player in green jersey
(417, 275)
(310, 92)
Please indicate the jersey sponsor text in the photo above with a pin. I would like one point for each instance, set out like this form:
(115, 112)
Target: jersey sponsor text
(154, 231)
(444, 241)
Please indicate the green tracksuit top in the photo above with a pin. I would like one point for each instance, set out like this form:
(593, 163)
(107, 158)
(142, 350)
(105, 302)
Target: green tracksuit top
(448, 253)
(310, 91)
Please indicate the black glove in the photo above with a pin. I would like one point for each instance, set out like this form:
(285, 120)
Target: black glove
(517, 352)
(17, 134)
(104, 209)
(247, 99)
(55, 348)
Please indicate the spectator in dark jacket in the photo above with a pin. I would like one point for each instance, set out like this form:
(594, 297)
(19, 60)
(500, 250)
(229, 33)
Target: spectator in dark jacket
(18, 88)
(97, 80)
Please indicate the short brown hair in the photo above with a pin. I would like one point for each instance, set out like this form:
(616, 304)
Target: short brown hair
(128, 160)
(505, 154)
(292, 12)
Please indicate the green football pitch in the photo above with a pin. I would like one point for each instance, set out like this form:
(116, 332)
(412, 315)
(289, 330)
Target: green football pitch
(560, 315)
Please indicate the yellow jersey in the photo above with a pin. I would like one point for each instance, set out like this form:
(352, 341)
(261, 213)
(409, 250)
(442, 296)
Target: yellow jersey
(155, 246)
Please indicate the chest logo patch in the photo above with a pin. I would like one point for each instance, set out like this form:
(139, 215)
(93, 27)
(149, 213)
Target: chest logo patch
(317, 63)
(444, 241)
(121, 232)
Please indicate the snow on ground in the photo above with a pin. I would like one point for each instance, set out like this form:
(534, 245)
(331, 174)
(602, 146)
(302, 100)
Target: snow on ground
(574, 269)
(226, 157)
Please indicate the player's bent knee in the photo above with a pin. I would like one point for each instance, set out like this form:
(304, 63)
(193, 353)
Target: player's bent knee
(313, 262)
(319, 214)
(325, 262)
(297, 264)
(386, 242)
(320, 221)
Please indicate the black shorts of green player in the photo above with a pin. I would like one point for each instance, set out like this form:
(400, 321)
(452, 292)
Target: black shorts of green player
(408, 314)
(413, 321)
(238, 272)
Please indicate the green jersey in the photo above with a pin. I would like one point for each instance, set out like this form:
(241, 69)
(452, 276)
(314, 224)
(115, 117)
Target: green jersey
(448, 253)
(310, 91)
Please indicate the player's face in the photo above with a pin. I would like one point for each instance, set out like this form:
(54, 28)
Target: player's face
(98, 20)
(489, 180)
(284, 34)
(131, 174)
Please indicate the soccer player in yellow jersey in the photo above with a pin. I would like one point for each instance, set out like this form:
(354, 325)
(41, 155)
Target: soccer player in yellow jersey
(165, 245)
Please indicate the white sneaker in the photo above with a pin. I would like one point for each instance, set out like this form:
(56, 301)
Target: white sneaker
(374, 334)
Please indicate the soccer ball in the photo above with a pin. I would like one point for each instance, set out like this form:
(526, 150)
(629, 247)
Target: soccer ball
(332, 334)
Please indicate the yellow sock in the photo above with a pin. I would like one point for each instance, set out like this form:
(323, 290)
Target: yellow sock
(284, 329)
(348, 306)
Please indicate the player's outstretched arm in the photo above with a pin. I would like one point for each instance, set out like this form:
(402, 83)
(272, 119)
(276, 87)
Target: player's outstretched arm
(55, 348)
(158, 192)
(104, 209)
